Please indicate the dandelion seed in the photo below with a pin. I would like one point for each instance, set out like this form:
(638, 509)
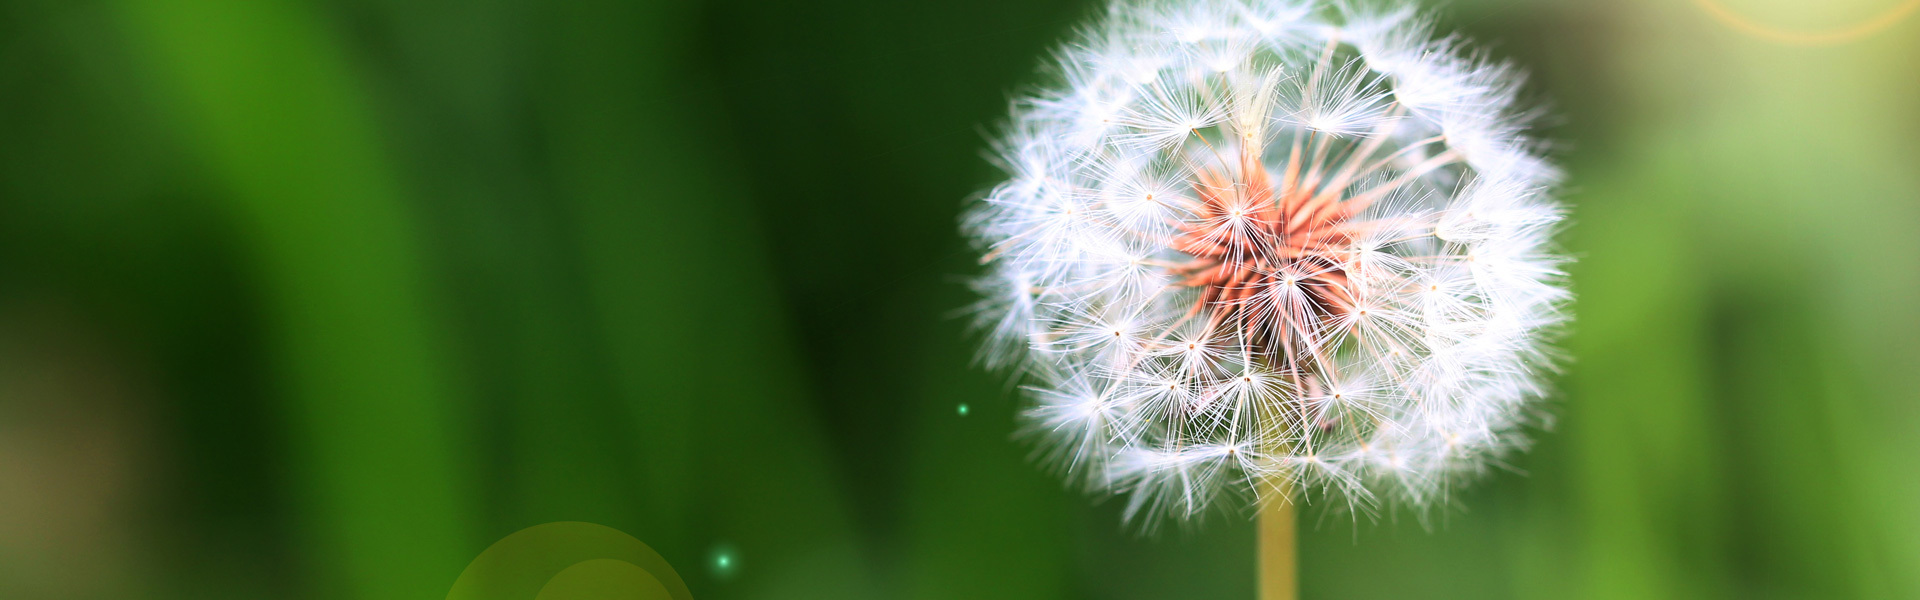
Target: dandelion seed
(1244, 249)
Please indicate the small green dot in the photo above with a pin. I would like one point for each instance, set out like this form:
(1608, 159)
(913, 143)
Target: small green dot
(723, 561)
(962, 409)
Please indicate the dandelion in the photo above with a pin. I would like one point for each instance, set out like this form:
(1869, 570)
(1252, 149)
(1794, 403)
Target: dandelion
(1261, 251)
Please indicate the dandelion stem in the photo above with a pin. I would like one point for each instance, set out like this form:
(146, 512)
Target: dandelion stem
(1279, 564)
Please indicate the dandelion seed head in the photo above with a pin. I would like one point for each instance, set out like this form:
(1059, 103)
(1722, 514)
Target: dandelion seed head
(1253, 240)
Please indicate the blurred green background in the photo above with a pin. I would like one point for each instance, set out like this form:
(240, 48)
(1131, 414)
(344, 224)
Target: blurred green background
(317, 299)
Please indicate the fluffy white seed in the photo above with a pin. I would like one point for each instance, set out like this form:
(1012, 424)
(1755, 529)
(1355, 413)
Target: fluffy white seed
(1244, 241)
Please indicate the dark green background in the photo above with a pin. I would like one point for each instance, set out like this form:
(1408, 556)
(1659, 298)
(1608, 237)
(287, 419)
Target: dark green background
(305, 299)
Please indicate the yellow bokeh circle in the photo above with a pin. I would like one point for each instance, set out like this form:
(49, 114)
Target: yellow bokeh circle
(1827, 37)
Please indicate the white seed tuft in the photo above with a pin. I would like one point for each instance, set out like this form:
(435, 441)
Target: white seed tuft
(1254, 241)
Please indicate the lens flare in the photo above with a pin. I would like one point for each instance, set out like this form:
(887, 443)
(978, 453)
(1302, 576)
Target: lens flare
(1828, 37)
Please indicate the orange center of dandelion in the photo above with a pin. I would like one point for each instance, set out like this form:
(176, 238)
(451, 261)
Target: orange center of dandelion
(1271, 257)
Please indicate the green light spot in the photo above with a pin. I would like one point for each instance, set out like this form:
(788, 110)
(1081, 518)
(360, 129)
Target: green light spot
(962, 409)
(723, 561)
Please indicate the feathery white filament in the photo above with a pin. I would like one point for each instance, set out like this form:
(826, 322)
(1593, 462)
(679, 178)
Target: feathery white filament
(1271, 239)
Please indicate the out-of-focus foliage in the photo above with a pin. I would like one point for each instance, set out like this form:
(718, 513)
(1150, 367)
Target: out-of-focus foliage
(317, 299)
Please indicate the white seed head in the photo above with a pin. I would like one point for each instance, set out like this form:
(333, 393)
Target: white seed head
(1248, 245)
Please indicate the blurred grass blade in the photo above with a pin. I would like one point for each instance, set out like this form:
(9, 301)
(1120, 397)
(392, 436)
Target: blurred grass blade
(679, 279)
(266, 98)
